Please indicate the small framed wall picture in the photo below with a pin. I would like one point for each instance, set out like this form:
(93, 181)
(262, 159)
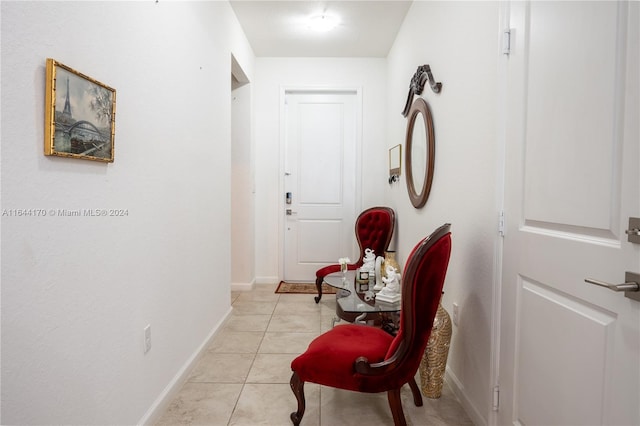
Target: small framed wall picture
(395, 160)
(80, 115)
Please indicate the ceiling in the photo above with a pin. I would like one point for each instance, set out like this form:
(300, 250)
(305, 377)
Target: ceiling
(277, 28)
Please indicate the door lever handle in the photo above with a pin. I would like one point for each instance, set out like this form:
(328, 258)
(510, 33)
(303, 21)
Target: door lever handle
(631, 285)
(627, 286)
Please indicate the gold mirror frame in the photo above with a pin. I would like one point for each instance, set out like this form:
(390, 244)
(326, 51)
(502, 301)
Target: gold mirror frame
(419, 198)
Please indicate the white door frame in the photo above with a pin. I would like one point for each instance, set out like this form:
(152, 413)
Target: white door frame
(496, 311)
(284, 90)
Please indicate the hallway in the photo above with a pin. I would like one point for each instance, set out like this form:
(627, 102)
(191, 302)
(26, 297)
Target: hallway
(243, 378)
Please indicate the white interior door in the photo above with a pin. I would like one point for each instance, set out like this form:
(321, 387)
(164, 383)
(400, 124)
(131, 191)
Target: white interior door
(570, 351)
(320, 176)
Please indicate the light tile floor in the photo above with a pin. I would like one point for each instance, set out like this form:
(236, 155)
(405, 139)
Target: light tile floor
(243, 378)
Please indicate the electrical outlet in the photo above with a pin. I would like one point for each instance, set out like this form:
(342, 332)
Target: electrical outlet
(147, 338)
(456, 314)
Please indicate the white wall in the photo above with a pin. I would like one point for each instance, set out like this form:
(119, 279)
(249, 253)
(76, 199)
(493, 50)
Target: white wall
(78, 291)
(242, 202)
(274, 74)
(459, 41)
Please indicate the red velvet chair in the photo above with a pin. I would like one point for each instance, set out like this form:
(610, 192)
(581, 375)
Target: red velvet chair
(374, 229)
(366, 359)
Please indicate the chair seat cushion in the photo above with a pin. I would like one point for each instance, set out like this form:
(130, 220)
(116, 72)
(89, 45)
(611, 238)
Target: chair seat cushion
(330, 358)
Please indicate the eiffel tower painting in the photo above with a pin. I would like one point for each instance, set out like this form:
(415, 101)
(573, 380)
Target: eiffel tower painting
(67, 103)
(80, 118)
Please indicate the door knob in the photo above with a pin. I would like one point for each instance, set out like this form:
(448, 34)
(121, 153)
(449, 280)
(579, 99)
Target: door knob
(627, 286)
(631, 286)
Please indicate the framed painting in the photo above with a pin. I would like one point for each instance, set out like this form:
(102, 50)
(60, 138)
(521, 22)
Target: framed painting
(395, 163)
(80, 115)
(395, 155)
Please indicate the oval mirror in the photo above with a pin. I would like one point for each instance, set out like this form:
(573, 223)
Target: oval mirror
(420, 153)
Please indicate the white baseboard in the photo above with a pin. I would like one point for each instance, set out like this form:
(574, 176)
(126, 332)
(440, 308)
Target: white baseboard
(458, 389)
(243, 286)
(161, 403)
(267, 280)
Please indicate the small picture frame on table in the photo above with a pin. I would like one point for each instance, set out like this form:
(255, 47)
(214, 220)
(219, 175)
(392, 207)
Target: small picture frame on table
(362, 281)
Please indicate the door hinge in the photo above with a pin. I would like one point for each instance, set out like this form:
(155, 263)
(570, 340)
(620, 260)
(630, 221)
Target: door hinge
(496, 398)
(506, 42)
(501, 223)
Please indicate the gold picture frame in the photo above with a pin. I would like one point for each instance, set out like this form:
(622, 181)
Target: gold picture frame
(395, 160)
(395, 163)
(80, 115)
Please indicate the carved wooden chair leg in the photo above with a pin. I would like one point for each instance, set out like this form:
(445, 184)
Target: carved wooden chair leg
(319, 281)
(297, 386)
(415, 390)
(396, 407)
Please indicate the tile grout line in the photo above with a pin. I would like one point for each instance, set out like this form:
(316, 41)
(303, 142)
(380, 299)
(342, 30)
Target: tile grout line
(264, 333)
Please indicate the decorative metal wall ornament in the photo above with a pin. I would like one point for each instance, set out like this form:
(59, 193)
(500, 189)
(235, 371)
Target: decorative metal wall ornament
(417, 85)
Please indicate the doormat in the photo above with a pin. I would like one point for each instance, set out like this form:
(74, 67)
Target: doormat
(303, 288)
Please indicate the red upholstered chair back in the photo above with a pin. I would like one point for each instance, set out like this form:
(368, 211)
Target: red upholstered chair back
(422, 284)
(367, 359)
(374, 229)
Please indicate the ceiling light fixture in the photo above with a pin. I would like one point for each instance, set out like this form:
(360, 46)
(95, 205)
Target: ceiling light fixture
(323, 22)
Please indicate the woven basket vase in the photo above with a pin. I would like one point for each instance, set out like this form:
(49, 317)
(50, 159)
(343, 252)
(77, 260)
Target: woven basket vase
(434, 361)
